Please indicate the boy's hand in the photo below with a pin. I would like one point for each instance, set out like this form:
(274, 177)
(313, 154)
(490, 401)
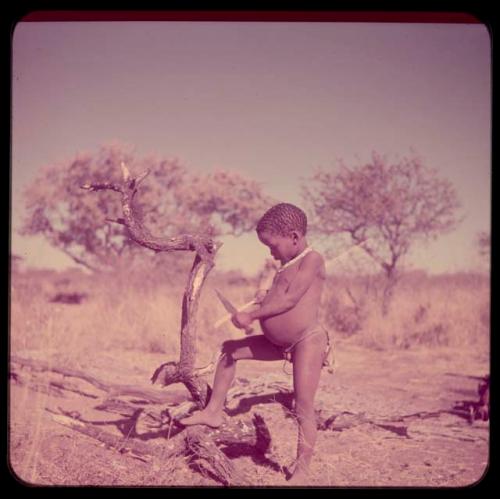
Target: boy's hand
(242, 320)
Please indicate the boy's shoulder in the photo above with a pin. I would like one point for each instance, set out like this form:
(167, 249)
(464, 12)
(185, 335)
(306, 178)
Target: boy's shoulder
(316, 253)
(318, 261)
(314, 257)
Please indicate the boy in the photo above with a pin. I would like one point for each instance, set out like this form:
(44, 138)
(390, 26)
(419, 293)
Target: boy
(288, 316)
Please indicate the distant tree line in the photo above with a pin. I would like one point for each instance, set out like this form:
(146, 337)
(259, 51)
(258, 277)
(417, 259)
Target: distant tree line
(388, 206)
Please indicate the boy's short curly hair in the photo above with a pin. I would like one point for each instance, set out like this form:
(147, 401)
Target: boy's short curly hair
(282, 219)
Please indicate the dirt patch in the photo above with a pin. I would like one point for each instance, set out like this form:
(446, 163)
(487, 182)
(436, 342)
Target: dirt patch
(396, 418)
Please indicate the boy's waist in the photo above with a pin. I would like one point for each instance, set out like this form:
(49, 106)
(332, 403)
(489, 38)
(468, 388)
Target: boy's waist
(287, 340)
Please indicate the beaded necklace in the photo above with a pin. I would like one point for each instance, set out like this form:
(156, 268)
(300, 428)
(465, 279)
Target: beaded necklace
(307, 250)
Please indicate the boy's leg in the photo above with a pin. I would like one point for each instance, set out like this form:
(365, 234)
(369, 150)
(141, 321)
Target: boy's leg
(256, 347)
(308, 358)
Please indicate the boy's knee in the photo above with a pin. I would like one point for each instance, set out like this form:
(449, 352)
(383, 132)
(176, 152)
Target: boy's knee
(228, 349)
(228, 346)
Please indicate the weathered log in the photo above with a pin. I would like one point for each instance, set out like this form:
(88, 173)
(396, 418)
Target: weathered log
(482, 409)
(134, 447)
(200, 443)
(197, 386)
(341, 421)
(104, 389)
(209, 458)
(150, 419)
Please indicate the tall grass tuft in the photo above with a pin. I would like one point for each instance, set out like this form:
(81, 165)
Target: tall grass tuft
(445, 310)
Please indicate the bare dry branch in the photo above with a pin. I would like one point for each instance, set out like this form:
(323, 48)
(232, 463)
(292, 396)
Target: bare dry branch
(203, 245)
(205, 249)
(17, 364)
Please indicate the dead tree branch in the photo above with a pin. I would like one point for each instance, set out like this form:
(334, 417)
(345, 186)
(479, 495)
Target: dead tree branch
(205, 248)
(91, 387)
(133, 447)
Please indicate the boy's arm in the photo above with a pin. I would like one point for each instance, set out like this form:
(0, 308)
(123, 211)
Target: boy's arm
(260, 295)
(285, 301)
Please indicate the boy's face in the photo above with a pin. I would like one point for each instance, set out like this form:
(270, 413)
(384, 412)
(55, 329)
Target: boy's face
(283, 248)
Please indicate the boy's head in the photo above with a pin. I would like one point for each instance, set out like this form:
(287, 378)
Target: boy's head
(283, 228)
(282, 219)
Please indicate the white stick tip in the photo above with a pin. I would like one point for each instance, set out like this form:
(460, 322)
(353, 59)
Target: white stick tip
(125, 171)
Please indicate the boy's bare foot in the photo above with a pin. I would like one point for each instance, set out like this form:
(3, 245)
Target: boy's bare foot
(214, 420)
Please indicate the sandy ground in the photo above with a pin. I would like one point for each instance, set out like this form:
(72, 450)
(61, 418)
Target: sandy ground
(405, 425)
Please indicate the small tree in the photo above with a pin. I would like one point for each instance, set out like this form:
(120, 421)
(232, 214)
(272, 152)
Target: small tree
(172, 201)
(388, 206)
(484, 244)
(15, 262)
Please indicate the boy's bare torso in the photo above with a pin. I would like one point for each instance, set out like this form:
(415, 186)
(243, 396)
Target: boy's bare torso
(286, 328)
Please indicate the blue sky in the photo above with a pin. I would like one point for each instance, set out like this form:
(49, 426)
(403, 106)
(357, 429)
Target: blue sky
(271, 100)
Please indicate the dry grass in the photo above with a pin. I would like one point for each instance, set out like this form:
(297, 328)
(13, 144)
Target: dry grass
(137, 313)
(115, 315)
(42, 453)
(130, 311)
(447, 310)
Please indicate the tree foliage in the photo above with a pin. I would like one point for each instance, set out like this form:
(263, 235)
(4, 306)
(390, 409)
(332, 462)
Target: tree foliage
(389, 205)
(174, 200)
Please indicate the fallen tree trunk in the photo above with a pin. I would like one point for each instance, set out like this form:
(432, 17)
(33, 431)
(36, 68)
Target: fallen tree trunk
(134, 447)
(146, 415)
(201, 444)
(91, 387)
(209, 458)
